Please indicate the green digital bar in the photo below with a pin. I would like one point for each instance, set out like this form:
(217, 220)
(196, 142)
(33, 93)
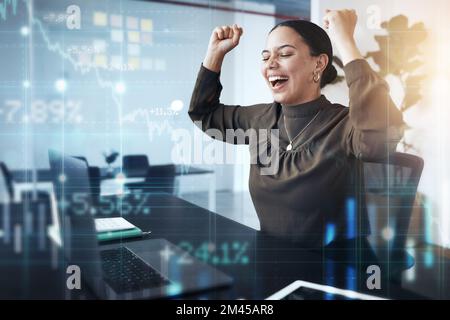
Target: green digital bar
(113, 235)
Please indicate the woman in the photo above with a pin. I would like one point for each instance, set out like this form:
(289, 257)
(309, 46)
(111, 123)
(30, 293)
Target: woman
(313, 198)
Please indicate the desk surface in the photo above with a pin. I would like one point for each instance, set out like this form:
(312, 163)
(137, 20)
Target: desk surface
(259, 264)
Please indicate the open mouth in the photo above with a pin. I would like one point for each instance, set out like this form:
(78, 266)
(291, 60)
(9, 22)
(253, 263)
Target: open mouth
(277, 81)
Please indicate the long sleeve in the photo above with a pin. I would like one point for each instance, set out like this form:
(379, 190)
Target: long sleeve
(206, 107)
(375, 124)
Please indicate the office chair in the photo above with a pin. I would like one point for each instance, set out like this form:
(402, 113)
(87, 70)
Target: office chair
(6, 186)
(34, 200)
(135, 165)
(159, 178)
(390, 187)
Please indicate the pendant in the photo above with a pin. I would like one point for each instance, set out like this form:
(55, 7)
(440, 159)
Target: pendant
(289, 147)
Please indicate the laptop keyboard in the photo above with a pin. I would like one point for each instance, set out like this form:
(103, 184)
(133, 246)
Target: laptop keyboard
(124, 271)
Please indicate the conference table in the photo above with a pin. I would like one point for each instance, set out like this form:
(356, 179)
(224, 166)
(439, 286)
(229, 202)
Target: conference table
(113, 181)
(259, 264)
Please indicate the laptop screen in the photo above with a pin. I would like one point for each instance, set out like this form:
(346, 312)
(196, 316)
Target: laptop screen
(71, 183)
(4, 193)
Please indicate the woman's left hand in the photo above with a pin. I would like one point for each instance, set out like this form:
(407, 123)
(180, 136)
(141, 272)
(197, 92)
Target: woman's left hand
(340, 25)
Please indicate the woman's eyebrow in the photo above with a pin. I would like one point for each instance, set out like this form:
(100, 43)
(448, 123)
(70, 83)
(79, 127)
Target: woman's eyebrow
(279, 48)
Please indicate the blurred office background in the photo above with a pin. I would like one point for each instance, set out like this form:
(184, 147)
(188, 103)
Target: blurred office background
(93, 77)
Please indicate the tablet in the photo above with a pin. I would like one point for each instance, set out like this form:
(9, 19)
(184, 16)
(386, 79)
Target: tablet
(304, 290)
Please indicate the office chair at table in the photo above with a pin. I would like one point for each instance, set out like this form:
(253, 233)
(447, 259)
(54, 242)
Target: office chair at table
(35, 200)
(390, 189)
(159, 178)
(6, 187)
(135, 166)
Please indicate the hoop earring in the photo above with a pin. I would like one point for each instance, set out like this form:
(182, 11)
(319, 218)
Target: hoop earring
(316, 77)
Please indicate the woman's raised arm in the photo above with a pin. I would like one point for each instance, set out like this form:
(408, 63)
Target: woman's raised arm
(205, 108)
(375, 124)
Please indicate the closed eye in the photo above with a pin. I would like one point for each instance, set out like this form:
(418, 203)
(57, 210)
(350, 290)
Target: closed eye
(281, 55)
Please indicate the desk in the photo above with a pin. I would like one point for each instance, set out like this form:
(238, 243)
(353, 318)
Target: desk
(113, 182)
(259, 264)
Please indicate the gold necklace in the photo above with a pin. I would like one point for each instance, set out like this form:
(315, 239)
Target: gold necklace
(289, 147)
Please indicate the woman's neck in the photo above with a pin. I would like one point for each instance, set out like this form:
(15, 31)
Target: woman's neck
(306, 99)
(303, 100)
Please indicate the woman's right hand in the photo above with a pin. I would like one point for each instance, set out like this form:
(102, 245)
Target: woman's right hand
(223, 40)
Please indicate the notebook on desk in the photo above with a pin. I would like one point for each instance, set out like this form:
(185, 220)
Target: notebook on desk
(112, 224)
(116, 228)
(108, 229)
(152, 268)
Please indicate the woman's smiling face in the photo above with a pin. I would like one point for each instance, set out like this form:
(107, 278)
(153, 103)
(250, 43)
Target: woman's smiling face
(288, 67)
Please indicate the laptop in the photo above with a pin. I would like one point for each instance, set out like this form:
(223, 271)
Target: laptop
(151, 268)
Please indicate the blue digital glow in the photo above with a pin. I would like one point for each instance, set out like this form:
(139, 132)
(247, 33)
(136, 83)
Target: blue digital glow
(329, 277)
(177, 105)
(330, 233)
(24, 31)
(351, 278)
(120, 88)
(428, 221)
(174, 289)
(62, 178)
(215, 260)
(173, 263)
(351, 218)
(61, 85)
(429, 258)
